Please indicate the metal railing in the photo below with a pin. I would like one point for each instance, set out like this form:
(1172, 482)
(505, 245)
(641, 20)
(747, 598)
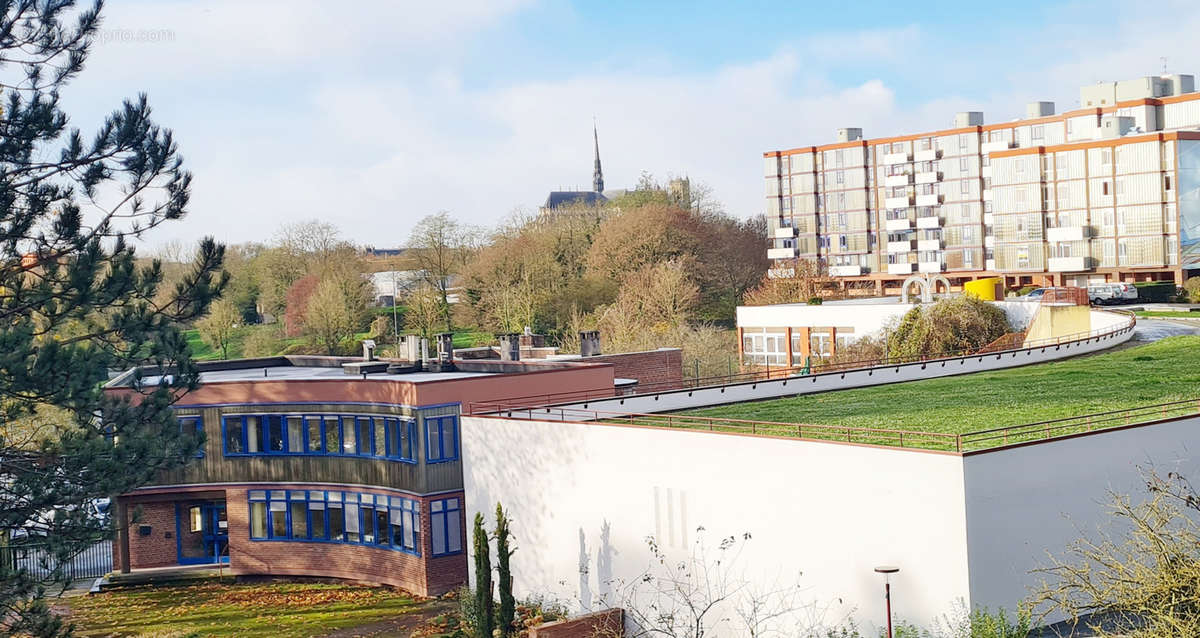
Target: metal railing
(909, 439)
(817, 368)
(1042, 430)
(93, 562)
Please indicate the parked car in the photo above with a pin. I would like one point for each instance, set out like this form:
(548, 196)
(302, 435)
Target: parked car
(1112, 293)
(1034, 295)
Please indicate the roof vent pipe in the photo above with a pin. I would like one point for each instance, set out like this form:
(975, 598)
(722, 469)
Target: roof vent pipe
(368, 349)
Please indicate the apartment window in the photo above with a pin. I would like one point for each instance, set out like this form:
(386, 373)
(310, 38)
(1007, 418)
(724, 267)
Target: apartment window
(1106, 156)
(837, 159)
(962, 164)
(1037, 133)
(336, 435)
(968, 258)
(965, 186)
(1104, 188)
(841, 218)
(841, 201)
(841, 176)
(336, 517)
(444, 518)
(193, 425)
(441, 439)
(1166, 182)
(962, 142)
(842, 245)
(1070, 126)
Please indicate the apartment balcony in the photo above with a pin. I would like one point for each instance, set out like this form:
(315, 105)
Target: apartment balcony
(781, 273)
(785, 232)
(931, 266)
(896, 158)
(1067, 264)
(929, 177)
(929, 244)
(898, 180)
(898, 202)
(932, 221)
(781, 253)
(987, 194)
(989, 219)
(1067, 233)
(932, 199)
(985, 171)
(989, 242)
(893, 225)
(900, 269)
(990, 264)
(901, 246)
(845, 271)
(927, 155)
(991, 147)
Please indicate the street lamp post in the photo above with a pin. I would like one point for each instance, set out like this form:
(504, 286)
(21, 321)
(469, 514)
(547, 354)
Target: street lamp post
(887, 571)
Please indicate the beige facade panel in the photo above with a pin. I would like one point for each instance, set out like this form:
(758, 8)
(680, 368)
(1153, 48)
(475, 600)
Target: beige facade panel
(801, 163)
(1139, 189)
(1140, 220)
(1101, 191)
(804, 204)
(1141, 251)
(1181, 115)
(1138, 158)
(770, 166)
(1018, 228)
(1020, 257)
(804, 183)
(1018, 169)
(1070, 165)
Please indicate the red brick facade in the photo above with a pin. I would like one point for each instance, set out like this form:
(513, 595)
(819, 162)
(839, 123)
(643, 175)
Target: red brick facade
(157, 547)
(654, 370)
(422, 575)
(609, 623)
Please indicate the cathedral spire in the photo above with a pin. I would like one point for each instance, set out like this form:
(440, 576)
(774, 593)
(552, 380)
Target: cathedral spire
(597, 173)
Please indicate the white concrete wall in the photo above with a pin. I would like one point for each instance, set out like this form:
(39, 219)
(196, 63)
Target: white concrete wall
(867, 319)
(828, 510)
(734, 393)
(1024, 502)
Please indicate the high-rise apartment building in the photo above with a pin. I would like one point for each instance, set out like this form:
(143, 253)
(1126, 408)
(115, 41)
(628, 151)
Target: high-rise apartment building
(1107, 192)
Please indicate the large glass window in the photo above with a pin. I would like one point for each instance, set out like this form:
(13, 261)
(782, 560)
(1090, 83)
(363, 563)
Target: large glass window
(348, 435)
(194, 425)
(346, 517)
(441, 439)
(445, 517)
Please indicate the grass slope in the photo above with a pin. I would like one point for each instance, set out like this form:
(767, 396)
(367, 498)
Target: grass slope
(1167, 370)
(276, 609)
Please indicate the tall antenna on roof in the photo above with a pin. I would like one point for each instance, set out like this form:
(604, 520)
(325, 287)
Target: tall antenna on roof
(1164, 65)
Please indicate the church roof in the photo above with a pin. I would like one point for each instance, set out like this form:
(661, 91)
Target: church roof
(557, 199)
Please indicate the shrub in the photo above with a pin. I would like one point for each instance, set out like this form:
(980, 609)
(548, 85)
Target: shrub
(1155, 291)
(949, 326)
(263, 341)
(1191, 289)
(814, 301)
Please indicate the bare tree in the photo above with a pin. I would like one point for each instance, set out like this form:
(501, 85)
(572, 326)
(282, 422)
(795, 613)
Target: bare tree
(1140, 577)
(216, 328)
(438, 246)
(424, 309)
(705, 593)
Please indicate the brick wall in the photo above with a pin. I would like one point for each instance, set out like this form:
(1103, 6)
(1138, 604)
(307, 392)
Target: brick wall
(156, 549)
(609, 623)
(655, 369)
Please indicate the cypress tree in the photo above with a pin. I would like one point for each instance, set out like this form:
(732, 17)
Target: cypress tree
(485, 623)
(75, 302)
(508, 605)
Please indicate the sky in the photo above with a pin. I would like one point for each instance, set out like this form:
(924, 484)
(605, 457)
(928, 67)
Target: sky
(371, 115)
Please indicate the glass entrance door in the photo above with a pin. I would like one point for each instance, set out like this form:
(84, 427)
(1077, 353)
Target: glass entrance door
(202, 530)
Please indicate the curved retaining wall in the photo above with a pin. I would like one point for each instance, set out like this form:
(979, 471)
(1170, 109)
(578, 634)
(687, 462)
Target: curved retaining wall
(1111, 329)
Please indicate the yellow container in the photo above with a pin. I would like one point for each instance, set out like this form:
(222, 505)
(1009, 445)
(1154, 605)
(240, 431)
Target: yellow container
(988, 289)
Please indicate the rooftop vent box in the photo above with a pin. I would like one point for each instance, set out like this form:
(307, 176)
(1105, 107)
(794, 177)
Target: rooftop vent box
(968, 118)
(1039, 109)
(849, 134)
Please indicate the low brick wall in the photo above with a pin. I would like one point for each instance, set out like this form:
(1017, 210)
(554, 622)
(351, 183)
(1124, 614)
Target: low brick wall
(609, 623)
(654, 369)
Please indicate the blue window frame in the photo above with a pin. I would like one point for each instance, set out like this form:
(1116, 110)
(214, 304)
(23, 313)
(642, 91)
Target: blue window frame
(441, 439)
(400, 439)
(314, 516)
(194, 424)
(445, 519)
(337, 435)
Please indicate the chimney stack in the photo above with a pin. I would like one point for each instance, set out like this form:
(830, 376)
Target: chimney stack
(368, 349)
(589, 343)
(510, 347)
(445, 347)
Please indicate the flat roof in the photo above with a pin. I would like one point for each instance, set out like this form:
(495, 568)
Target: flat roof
(317, 373)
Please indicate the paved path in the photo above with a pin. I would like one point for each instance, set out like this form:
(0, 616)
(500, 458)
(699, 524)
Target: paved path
(1155, 329)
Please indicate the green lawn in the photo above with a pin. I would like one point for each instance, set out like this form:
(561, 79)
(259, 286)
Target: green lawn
(1168, 313)
(1164, 371)
(248, 610)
